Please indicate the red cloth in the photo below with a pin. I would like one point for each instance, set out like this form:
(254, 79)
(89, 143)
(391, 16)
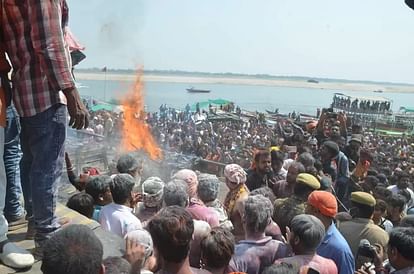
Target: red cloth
(93, 171)
(41, 63)
(200, 212)
(72, 42)
(325, 202)
(4, 64)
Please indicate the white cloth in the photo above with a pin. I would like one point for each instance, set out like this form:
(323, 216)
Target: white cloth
(119, 219)
(16, 257)
(3, 184)
(287, 163)
(99, 129)
(282, 173)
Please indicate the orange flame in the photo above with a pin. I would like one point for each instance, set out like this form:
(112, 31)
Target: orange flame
(136, 132)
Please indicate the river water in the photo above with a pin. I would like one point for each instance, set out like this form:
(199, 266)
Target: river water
(249, 97)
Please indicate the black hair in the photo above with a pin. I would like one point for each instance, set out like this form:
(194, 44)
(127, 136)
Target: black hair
(217, 247)
(397, 201)
(302, 190)
(121, 187)
(363, 211)
(404, 174)
(318, 165)
(407, 221)
(172, 231)
(277, 157)
(402, 238)
(406, 194)
(116, 265)
(83, 203)
(372, 180)
(72, 250)
(98, 185)
(302, 149)
(381, 205)
(372, 172)
(306, 159)
(261, 154)
(282, 268)
(382, 193)
(127, 164)
(382, 179)
(266, 192)
(308, 229)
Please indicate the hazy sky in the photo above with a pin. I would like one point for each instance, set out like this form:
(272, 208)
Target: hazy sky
(351, 39)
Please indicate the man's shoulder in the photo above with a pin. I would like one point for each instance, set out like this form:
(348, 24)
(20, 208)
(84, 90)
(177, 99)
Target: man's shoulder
(377, 231)
(252, 175)
(346, 226)
(337, 238)
(281, 183)
(199, 271)
(392, 187)
(249, 248)
(107, 208)
(338, 245)
(328, 264)
(280, 202)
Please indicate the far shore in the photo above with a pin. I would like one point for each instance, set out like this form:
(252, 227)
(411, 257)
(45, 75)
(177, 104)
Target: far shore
(337, 85)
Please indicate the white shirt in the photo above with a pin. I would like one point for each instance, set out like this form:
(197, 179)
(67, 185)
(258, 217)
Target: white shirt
(99, 129)
(119, 219)
(287, 163)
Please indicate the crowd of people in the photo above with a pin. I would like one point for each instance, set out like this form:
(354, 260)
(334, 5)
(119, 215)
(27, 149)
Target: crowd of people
(326, 197)
(271, 220)
(369, 106)
(321, 197)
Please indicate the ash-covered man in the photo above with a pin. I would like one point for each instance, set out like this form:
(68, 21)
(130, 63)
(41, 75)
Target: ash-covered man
(43, 92)
(261, 174)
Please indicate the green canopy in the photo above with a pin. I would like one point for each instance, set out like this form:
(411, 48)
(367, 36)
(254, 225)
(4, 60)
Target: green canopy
(391, 132)
(219, 102)
(214, 102)
(407, 109)
(98, 107)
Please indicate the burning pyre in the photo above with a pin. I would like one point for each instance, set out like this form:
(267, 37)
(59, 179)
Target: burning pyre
(136, 132)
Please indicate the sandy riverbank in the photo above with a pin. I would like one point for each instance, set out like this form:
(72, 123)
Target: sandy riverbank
(344, 86)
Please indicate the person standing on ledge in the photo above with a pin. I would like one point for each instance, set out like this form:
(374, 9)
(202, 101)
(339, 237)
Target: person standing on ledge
(43, 92)
(10, 254)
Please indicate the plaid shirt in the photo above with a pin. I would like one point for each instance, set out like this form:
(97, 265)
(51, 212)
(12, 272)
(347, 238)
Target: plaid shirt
(33, 33)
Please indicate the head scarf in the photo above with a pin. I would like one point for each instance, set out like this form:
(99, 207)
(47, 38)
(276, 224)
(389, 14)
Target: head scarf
(152, 190)
(142, 237)
(325, 202)
(235, 174)
(190, 177)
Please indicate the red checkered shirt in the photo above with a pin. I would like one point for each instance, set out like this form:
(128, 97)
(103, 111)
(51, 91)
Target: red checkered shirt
(33, 33)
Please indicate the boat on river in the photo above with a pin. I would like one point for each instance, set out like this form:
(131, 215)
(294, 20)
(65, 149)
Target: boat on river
(195, 90)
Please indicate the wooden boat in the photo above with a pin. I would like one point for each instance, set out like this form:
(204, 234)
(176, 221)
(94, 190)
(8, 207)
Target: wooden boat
(194, 90)
(278, 115)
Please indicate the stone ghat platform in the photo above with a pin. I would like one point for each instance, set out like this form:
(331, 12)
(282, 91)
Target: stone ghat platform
(113, 245)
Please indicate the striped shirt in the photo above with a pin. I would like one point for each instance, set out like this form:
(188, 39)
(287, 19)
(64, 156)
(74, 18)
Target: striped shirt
(33, 33)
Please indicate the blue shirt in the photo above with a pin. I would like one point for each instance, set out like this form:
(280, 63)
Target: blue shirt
(335, 247)
(96, 213)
